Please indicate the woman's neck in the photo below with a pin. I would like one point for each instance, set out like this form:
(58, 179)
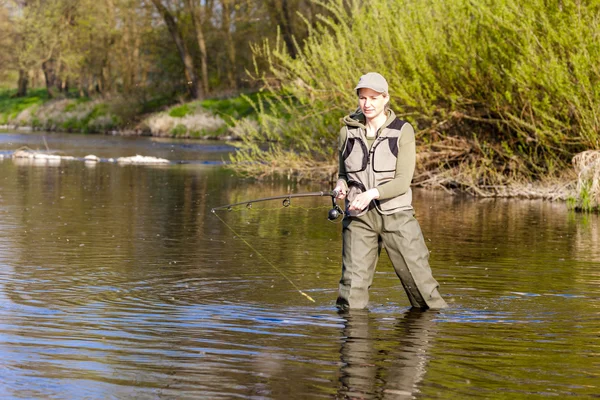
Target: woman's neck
(374, 124)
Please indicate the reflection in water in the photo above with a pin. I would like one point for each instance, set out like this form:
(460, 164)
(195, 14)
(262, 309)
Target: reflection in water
(390, 367)
(40, 162)
(118, 282)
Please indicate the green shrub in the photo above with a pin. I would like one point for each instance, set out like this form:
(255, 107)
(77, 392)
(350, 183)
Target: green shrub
(518, 81)
(180, 130)
(180, 111)
(235, 108)
(11, 106)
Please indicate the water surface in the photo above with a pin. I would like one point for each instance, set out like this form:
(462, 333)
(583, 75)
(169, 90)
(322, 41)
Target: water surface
(118, 282)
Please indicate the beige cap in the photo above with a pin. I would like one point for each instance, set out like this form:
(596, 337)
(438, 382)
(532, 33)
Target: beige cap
(374, 81)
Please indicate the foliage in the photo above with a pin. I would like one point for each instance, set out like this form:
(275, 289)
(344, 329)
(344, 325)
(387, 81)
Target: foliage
(234, 108)
(461, 71)
(11, 106)
(36, 110)
(125, 47)
(180, 111)
(187, 120)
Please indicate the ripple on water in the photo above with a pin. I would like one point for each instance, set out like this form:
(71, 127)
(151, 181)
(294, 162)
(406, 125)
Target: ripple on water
(119, 283)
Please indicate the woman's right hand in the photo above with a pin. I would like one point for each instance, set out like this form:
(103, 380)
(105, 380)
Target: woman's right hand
(341, 192)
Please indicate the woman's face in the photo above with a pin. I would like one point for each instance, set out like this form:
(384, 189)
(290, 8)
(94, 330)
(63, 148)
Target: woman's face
(371, 103)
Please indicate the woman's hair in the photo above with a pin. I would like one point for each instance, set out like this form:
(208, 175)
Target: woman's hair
(386, 108)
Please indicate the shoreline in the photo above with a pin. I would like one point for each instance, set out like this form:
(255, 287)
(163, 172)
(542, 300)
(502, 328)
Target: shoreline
(561, 189)
(124, 133)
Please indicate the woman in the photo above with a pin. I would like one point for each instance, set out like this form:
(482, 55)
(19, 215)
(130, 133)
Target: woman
(376, 165)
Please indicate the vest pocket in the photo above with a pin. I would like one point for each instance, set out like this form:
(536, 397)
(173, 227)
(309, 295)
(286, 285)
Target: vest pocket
(355, 155)
(385, 155)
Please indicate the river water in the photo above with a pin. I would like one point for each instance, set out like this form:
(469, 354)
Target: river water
(117, 282)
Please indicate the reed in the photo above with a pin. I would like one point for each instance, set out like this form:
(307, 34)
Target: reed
(500, 92)
(587, 166)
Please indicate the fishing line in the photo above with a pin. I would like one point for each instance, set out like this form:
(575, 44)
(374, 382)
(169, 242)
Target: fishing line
(263, 257)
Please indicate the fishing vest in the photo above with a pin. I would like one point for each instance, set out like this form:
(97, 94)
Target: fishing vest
(368, 168)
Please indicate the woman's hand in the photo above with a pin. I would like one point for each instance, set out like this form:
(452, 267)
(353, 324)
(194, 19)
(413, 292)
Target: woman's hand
(341, 189)
(362, 200)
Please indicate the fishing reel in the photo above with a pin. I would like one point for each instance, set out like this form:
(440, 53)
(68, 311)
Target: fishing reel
(336, 211)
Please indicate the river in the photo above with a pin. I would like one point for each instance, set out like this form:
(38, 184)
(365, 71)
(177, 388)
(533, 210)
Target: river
(117, 282)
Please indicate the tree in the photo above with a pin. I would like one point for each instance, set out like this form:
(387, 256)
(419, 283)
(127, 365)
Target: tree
(8, 60)
(198, 24)
(45, 39)
(194, 88)
(33, 42)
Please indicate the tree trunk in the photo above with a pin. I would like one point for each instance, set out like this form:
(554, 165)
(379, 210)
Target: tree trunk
(22, 83)
(105, 82)
(229, 44)
(197, 22)
(280, 11)
(193, 85)
(52, 80)
(288, 29)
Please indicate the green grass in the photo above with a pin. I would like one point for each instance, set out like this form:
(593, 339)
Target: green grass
(234, 108)
(229, 109)
(180, 111)
(584, 202)
(82, 117)
(11, 106)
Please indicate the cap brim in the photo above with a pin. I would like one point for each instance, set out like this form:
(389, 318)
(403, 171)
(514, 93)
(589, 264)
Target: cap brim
(377, 89)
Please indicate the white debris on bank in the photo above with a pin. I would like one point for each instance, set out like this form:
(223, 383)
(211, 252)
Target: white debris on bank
(35, 155)
(91, 158)
(142, 160)
(43, 158)
(29, 157)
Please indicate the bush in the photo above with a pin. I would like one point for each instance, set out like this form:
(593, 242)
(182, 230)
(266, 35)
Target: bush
(516, 82)
(180, 111)
(11, 107)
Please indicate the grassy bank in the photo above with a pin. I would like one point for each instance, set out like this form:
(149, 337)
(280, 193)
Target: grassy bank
(69, 114)
(211, 118)
(11, 107)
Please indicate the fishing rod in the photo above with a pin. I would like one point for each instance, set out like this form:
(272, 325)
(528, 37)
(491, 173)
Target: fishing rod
(333, 214)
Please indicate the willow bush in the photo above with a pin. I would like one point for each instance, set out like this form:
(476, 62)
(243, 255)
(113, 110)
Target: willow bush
(499, 91)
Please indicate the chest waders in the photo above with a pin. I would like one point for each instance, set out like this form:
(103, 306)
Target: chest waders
(389, 223)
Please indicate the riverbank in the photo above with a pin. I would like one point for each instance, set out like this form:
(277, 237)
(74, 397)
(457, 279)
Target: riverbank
(204, 119)
(227, 119)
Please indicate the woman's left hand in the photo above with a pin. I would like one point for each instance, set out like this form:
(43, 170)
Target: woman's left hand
(362, 200)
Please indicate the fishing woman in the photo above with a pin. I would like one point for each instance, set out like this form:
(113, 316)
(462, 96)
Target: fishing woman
(376, 164)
